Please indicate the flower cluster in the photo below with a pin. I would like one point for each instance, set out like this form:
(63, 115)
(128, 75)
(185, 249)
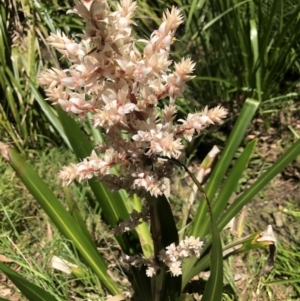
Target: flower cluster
(139, 261)
(172, 257)
(122, 88)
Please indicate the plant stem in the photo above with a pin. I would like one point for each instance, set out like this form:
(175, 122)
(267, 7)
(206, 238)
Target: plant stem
(156, 237)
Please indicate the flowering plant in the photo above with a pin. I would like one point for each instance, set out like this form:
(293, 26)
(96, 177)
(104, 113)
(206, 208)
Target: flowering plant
(129, 87)
(122, 88)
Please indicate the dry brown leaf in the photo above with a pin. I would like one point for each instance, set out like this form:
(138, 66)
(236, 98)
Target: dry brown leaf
(3, 258)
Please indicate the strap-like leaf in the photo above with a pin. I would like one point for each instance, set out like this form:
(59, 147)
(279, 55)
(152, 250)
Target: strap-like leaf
(112, 204)
(59, 215)
(230, 184)
(214, 287)
(31, 291)
(217, 176)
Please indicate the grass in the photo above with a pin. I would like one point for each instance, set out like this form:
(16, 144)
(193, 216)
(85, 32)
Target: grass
(233, 65)
(24, 27)
(28, 241)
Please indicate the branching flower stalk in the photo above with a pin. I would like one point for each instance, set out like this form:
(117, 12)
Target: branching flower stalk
(122, 87)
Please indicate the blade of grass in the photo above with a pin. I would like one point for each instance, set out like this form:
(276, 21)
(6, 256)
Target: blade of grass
(220, 16)
(256, 63)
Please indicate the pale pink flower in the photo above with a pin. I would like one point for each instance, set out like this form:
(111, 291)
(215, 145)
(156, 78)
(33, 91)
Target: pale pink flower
(121, 88)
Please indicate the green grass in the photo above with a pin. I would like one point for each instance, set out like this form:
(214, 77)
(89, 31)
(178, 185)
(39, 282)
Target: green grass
(28, 239)
(24, 53)
(232, 64)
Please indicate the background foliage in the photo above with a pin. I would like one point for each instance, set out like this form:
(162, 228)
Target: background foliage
(243, 49)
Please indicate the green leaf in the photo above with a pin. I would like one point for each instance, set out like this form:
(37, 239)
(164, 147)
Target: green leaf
(59, 215)
(111, 204)
(169, 235)
(76, 214)
(50, 114)
(143, 230)
(214, 287)
(31, 291)
(291, 154)
(230, 184)
(236, 136)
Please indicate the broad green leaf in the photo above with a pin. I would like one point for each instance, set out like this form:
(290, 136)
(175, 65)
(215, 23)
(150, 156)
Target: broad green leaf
(141, 284)
(169, 235)
(31, 291)
(59, 215)
(164, 233)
